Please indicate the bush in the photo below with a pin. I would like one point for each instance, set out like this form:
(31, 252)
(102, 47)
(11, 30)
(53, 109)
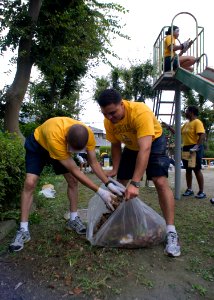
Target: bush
(106, 149)
(12, 171)
(28, 128)
(208, 153)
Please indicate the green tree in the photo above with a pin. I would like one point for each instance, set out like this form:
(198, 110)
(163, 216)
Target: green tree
(59, 37)
(133, 83)
(41, 104)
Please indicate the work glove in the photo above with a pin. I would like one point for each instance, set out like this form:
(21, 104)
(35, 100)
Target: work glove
(115, 187)
(185, 46)
(194, 149)
(107, 197)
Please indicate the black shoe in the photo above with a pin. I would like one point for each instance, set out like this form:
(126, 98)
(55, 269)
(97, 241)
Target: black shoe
(201, 195)
(188, 192)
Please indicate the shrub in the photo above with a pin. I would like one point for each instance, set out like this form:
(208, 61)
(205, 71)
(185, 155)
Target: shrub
(28, 128)
(12, 170)
(106, 149)
(208, 153)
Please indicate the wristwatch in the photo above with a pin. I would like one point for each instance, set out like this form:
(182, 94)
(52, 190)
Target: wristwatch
(135, 183)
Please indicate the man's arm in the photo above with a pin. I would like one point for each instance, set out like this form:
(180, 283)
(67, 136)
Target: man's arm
(200, 142)
(116, 156)
(71, 166)
(201, 138)
(145, 144)
(92, 160)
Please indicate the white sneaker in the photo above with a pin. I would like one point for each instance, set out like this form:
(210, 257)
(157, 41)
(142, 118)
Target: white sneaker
(19, 240)
(172, 248)
(76, 225)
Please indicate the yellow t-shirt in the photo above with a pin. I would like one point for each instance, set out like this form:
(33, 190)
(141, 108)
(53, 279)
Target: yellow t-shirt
(190, 130)
(51, 135)
(167, 43)
(139, 121)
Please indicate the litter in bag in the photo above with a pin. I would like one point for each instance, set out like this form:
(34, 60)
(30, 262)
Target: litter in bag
(133, 224)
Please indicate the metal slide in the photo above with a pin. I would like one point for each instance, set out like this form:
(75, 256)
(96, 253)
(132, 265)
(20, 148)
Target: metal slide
(200, 84)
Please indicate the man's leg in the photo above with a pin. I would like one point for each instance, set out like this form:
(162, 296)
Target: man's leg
(200, 179)
(189, 191)
(189, 178)
(75, 222)
(167, 204)
(23, 235)
(27, 195)
(166, 198)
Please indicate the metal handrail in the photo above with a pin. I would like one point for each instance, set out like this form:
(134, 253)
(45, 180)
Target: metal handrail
(196, 49)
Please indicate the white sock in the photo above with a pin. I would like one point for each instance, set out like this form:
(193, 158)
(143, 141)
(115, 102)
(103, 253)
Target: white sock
(73, 215)
(24, 225)
(170, 228)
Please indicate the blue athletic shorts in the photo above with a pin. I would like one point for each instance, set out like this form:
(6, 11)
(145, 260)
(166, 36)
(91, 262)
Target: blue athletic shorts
(167, 63)
(199, 156)
(158, 163)
(36, 158)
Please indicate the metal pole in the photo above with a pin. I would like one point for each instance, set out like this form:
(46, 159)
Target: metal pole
(177, 144)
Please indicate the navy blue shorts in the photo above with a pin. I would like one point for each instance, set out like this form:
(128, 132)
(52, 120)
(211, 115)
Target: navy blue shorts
(167, 63)
(158, 163)
(36, 158)
(199, 156)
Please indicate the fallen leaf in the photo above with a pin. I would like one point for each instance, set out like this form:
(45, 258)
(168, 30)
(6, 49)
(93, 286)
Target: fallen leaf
(77, 290)
(58, 238)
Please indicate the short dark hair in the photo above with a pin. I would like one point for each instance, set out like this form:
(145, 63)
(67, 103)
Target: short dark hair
(77, 136)
(109, 96)
(168, 32)
(193, 109)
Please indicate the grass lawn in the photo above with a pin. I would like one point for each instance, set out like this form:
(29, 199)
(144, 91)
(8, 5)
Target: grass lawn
(68, 264)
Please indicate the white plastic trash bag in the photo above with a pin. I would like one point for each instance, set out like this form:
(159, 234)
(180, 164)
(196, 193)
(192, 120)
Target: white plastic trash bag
(48, 191)
(132, 225)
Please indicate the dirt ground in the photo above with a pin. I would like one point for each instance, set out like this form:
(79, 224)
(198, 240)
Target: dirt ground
(20, 281)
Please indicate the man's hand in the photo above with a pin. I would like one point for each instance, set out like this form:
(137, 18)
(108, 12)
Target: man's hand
(185, 46)
(107, 198)
(131, 192)
(115, 187)
(110, 173)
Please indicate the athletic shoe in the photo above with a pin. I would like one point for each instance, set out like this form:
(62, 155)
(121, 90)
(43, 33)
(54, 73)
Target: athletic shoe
(212, 200)
(19, 240)
(172, 248)
(201, 195)
(188, 192)
(76, 225)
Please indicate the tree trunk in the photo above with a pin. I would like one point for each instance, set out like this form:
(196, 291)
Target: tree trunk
(15, 94)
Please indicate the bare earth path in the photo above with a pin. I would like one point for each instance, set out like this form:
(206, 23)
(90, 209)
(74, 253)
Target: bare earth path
(156, 276)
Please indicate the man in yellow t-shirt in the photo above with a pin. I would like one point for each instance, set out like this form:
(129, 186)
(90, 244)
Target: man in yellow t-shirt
(53, 143)
(193, 134)
(134, 125)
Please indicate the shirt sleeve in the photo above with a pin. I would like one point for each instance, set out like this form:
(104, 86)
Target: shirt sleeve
(199, 127)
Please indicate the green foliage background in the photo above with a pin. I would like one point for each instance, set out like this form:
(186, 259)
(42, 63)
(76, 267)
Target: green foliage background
(12, 170)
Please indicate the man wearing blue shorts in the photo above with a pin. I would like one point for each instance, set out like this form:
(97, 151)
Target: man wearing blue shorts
(53, 143)
(134, 125)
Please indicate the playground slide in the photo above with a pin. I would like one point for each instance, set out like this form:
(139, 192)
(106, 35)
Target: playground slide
(208, 73)
(202, 83)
